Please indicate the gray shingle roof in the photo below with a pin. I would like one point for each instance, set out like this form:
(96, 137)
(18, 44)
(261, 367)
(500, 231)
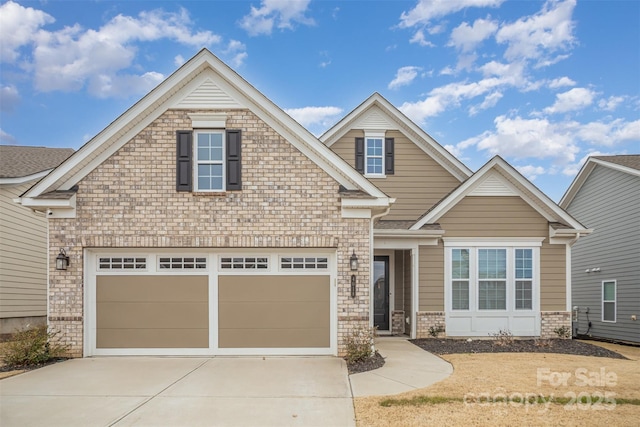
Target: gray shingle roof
(630, 161)
(18, 161)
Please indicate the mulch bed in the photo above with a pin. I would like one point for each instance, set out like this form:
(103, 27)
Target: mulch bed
(374, 362)
(8, 368)
(561, 346)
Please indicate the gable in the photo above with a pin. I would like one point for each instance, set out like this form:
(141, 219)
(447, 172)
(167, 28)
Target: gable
(208, 95)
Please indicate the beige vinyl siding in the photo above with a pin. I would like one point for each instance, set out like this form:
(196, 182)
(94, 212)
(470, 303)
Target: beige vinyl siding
(493, 216)
(23, 239)
(418, 183)
(431, 292)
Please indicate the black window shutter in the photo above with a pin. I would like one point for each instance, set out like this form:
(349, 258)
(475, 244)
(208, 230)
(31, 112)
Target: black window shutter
(360, 155)
(184, 172)
(234, 160)
(388, 156)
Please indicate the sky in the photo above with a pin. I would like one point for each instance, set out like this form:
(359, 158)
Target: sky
(544, 84)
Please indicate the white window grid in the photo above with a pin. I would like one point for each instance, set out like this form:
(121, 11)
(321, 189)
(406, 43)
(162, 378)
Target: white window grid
(122, 263)
(304, 263)
(208, 162)
(244, 263)
(182, 263)
(374, 156)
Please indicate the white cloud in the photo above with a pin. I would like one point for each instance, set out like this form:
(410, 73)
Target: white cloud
(611, 103)
(539, 138)
(426, 10)
(536, 37)
(178, 60)
(18, 25)
(420, 39)
(73, 58)
(572, 100)
(236, 51)
(9, 98)
(561, 82)
(308, 116)
(281, 14)
(7, 139)
(574, 168)
(531, 172)
(489, 101)
(465, 38)
(404, 76)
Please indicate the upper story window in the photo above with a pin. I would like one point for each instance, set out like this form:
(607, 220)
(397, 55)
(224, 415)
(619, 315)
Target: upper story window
(209, 156)
(609, 301)
(208, 160)
(375, 155)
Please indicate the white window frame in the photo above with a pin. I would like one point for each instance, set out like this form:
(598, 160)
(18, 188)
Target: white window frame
(614, 301)
(370, 136)
(197, 162)
(522, 279)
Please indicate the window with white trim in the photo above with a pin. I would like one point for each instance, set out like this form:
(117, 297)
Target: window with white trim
(494, 278)
(244, 263)
(303, 263)
(182, 263)
(374, 155)
(122, 263)
(609, 301)
(209, 160)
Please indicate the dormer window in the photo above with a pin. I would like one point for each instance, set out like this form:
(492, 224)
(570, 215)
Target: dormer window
(375, 155)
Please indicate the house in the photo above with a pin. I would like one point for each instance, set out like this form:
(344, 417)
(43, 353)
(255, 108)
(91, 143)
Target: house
(205, 220)
(23, 236)
(605, 196)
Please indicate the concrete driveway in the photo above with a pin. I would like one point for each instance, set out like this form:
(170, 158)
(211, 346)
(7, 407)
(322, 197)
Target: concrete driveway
(154, 391)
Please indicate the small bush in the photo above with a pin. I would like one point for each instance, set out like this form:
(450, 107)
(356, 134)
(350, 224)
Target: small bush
(359, 344)
(435, 331)
(542, 343)
(32, 346)
(503, 338)
(563, 332)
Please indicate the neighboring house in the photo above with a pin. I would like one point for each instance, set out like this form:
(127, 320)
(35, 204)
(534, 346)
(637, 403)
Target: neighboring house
(605, 195)
(205, 220)
(23, 236)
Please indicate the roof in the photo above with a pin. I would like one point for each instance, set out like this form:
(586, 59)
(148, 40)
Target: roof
(20, 161)
(378, 113)
(629, 163)
(204, 68)
(499, 177)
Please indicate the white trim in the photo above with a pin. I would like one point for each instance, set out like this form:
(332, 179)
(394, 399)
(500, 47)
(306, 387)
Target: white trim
(615, 301)
(469, 185)
(424, 141)
(23, 179)
(494, 242)
(405, 242)
(355, 213)
(213, 273)
(381, 202)
(211, 121)
(415, 291)
(197, 162)
(392, 282)
(567, 257)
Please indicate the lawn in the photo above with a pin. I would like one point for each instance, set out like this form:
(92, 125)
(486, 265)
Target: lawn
(506, 389)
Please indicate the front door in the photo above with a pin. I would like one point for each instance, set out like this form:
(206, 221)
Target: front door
(381, 292)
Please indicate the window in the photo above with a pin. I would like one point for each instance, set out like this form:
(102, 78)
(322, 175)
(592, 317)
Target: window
(492, 279)
(122, 263)
(524, 279)
(209, 156)
(306, 263)
(374, 150)
(609, 301)
(208, 160)
(460, 279)
(242, 263)
(182, 263)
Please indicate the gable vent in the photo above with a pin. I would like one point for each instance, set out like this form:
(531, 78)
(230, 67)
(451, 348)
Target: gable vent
(374, 120)
(208, 95)
(493, 186)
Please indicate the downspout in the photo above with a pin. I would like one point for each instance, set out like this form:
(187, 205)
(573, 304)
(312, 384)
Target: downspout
(371, 248)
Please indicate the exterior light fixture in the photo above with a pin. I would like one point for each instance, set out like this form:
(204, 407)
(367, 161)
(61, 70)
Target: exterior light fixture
(62, 260)
(353, 261)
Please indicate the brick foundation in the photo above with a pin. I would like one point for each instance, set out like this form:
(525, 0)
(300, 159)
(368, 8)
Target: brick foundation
(427, 320)
(552, 320)
(397, 322)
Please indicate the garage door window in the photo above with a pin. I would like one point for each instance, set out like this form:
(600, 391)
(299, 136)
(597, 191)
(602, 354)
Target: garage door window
(244, 263)
(122, 263)
(182, 263)
(303, 263)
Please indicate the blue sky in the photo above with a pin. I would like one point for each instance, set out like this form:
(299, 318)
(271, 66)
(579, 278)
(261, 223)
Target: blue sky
(542, 83)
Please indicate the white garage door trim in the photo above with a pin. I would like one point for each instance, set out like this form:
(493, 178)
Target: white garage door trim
(212, 270)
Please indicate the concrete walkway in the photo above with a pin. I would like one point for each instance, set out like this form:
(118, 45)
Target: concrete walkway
(407, 367)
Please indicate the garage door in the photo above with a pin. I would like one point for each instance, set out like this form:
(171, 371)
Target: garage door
(207, 303)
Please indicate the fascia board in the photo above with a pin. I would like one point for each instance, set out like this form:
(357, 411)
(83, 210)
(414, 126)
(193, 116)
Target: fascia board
(366, 203)
(408, 233)
(47, 203)
(24, 179)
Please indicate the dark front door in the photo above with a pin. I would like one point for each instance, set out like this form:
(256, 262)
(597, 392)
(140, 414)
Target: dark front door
(381, 292)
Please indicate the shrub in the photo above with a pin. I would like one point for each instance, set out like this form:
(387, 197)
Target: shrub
(359, 344)
(503, 338)
(434, 331)
(563, 332)
(32, 346)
